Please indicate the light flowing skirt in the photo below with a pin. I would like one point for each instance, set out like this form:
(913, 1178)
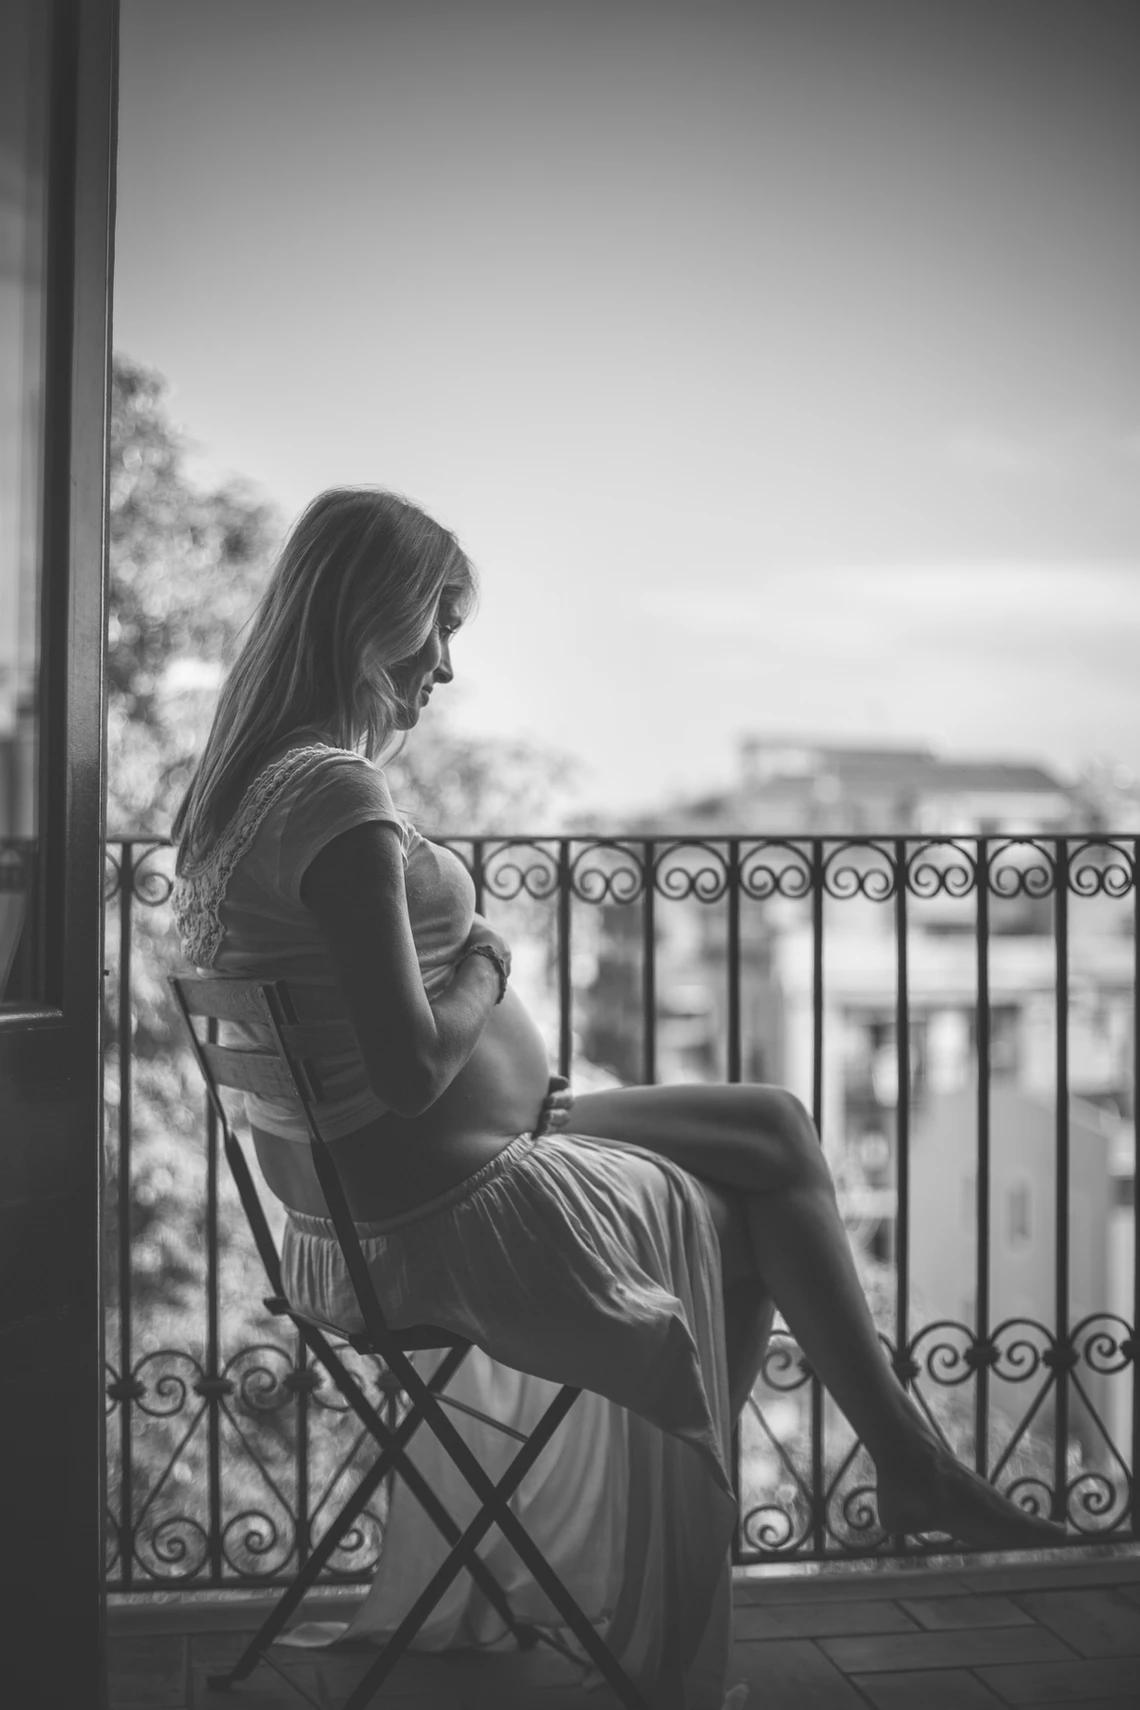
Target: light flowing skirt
(571, 1260)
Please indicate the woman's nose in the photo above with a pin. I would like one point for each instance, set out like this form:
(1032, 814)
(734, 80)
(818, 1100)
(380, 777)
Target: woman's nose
(443, 672)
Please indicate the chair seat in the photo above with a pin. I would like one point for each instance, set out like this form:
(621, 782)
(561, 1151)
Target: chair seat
(415, 1338)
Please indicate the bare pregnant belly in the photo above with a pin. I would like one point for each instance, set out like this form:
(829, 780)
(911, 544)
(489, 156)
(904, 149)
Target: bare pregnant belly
(399, 1162)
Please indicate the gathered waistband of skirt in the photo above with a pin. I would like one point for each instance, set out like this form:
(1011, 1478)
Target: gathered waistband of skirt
(510, 1155)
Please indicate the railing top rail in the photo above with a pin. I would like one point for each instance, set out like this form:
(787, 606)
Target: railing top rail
(691, 835)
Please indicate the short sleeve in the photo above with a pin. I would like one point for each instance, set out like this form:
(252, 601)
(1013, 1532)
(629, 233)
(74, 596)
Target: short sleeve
(339, 791)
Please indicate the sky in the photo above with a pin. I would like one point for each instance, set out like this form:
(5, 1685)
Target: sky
(776, 361)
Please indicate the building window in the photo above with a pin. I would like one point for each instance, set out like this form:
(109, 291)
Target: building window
(1005, 1040)
(1019, 1215)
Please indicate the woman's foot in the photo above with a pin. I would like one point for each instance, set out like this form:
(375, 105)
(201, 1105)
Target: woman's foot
(941, 1495)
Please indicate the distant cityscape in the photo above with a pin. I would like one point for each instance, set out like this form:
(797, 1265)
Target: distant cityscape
(814, 789)
(809, 789)
(818, 785)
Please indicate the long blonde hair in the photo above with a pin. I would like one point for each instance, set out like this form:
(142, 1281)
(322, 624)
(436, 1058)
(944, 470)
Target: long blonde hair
(355, 590)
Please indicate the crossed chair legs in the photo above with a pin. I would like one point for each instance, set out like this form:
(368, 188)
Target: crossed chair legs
(424, 1398)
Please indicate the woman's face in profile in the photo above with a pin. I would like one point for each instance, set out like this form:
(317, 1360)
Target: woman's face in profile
(415, 678)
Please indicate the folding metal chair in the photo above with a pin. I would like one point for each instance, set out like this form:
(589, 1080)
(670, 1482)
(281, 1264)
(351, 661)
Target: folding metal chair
(288, 1064)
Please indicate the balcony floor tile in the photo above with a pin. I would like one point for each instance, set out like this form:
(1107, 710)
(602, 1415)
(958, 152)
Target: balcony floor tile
(1083, 1682)
(946, 1614)
(150, 1673)
(961, 1649)
(792, 1674)
(1093, 1623)
(266, 1689)
(809, 1620)
(932, 1689)
(975, 1639)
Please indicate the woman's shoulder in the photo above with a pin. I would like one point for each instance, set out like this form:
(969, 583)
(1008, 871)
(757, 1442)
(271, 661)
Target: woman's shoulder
(323, 769)
(297, 801)
(316, 778)
(327, 791)
(302, 769)
(287, 775)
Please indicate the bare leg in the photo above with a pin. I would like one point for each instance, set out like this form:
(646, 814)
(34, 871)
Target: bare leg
(748, 1313)
(760, 1142)
(748, 1306)
(796, 1240)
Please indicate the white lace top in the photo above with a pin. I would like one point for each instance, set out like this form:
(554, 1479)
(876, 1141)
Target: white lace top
(239, 910)
(200, 888)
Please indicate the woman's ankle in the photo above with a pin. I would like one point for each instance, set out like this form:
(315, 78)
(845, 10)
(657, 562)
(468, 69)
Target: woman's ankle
(908, 1452)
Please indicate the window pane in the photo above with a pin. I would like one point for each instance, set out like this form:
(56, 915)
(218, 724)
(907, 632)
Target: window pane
(23, 190)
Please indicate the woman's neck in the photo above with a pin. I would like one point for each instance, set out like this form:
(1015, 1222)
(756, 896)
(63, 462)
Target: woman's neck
(303, 737)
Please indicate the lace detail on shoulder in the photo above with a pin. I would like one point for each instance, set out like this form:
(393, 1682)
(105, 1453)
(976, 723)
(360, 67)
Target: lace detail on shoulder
(200, 889)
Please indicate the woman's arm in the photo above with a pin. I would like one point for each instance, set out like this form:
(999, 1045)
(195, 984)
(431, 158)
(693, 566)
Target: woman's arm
(412, 1047)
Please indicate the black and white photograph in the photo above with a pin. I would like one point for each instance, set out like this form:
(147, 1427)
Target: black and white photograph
(569, 854)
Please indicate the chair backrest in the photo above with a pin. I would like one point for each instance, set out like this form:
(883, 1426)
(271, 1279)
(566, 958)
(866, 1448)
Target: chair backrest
(298, 1030)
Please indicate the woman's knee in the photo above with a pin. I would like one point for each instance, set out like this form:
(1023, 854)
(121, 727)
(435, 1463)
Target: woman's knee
(786, 1123)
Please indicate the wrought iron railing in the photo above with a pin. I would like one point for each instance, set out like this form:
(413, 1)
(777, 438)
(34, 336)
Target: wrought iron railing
(960, 1015)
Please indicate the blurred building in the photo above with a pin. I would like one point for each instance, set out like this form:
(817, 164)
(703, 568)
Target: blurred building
(795, 787)
(795, 791)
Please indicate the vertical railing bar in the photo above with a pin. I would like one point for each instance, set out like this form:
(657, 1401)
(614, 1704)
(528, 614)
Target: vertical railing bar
(1135, 1462)
(982, 1187)
(902, 1121)
(818, 1457)
(478, 875)
(213, 1407)
(902, 1114)
(392, 1420)
(1061, 1214)
(126, 1067)
(565, 987)
(817, 983)
(128, 869)
(304, 1487)
(735, 1042)
(732, 1072)
(649, 966)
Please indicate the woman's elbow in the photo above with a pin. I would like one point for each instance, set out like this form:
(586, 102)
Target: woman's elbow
(408, 1091)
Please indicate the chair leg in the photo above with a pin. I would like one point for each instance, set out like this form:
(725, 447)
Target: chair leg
(292, 1596)
(391, 1455)
(496, 1512)
(322, 1351)
(480, 1573)
(391, 1458)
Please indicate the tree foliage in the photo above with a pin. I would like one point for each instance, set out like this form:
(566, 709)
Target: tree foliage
(187, 563)
(448, 782)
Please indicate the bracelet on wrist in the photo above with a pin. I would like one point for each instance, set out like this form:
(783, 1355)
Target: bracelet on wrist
(497, 962)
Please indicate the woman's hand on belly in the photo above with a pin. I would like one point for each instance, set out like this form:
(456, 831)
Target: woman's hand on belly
(395, 1162)
(557, 1106)
(501, 1087)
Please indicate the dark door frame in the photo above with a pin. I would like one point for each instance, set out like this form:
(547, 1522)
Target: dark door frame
(51, 1357)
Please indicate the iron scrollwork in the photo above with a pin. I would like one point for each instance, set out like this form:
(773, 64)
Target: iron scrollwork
(186, 1513)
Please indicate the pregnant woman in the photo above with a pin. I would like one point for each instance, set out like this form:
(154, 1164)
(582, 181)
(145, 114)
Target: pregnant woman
(634, 1242)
